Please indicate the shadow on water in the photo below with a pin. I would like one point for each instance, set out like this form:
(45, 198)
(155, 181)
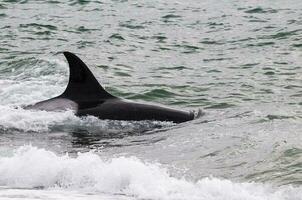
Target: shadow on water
(118, 135)
(81, 138)
(95, 142)
(121, 134)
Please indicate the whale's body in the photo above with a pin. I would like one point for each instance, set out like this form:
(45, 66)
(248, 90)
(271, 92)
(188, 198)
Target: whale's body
(85, 96)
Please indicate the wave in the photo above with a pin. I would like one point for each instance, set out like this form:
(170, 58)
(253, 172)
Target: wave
(31, 167)
(27, 81)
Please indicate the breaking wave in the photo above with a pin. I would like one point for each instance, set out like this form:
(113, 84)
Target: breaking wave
(29, 167)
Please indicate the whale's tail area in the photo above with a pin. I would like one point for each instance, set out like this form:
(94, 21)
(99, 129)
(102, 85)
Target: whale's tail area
(82, 84)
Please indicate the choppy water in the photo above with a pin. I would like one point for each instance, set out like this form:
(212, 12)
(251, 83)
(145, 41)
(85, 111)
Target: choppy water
(239, 60)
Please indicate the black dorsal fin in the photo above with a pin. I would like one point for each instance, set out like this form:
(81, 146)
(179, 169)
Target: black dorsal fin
(82, 84)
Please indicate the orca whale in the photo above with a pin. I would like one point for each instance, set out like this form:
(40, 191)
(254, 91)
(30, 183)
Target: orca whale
(85, 96)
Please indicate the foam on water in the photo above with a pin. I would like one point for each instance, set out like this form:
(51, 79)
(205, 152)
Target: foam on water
(30, 167)
(32, 80)
(37, 121)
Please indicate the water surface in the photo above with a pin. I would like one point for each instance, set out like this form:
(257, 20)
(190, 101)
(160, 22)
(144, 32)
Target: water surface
(238, 60)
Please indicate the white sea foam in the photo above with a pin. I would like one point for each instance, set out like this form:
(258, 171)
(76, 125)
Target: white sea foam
(30, 167)
(39, 80)
(26, 120)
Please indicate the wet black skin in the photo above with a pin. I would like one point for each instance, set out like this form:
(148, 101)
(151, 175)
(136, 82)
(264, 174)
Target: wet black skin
(118, 109)
(86, 96)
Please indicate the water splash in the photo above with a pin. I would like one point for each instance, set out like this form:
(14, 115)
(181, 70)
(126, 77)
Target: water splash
(31, 167)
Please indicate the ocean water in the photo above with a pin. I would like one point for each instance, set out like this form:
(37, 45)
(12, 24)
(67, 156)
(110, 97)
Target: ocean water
(240, 61)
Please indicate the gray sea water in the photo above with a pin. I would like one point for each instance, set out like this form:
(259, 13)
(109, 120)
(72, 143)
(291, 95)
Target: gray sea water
(240, 61)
